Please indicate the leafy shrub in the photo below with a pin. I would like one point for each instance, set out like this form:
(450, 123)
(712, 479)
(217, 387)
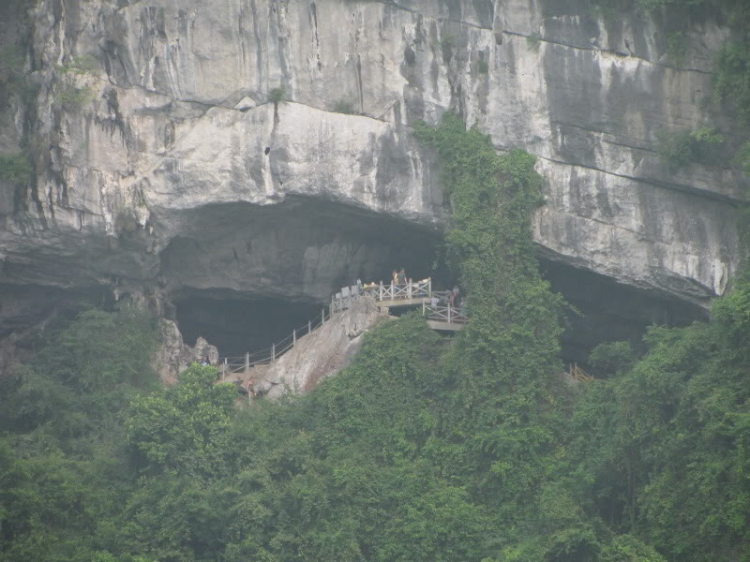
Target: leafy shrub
(627, 548)
(702, 146)
(277, 95)
(612, 357)
(15, 168)
(344, 106)
(678, 45)
(83, 64)
(447, 43)
(12, 79)
(732, 78)
(71, 98)
(742, 157)
(183, 429)
(534, 41)
(90, 366)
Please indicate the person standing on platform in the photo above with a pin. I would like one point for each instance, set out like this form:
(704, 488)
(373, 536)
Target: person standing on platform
(454, 296)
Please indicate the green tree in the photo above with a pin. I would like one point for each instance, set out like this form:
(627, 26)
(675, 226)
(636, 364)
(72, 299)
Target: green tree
(183, 429)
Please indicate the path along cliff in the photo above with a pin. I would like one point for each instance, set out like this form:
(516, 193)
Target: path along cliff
(327, 344)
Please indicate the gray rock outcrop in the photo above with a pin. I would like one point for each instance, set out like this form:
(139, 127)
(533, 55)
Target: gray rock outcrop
(174, 355)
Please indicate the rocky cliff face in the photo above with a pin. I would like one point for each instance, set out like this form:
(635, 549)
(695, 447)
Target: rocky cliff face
(252, 148)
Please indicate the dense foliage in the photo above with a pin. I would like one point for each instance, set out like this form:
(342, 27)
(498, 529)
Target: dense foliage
(15, 168)
(63, 465)
(424, 449)
(704, 146)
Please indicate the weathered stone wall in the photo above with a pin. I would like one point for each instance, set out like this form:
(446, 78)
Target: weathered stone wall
(180, 151)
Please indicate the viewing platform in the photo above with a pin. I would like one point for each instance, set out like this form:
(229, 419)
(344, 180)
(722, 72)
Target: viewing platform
(390, 296)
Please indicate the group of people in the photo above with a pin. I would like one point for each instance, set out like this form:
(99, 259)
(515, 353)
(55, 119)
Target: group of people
(399, 277)
(456, 300)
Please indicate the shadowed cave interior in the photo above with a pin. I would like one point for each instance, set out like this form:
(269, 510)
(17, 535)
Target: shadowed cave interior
(239, 326)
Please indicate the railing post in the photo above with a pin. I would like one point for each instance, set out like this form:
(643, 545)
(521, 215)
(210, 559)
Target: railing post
(408, 290)
(309, 326)
(273, 352)
(247, 361)
(294, 337)
(429, 286)
(380, 291)
(449, 313)
(323, 317)
(424, 306)
(224, 370)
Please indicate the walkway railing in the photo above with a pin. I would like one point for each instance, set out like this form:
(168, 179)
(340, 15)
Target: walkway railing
(409, 291)
(343, 300)
(449, 314)
(242, 363)
(578, 374)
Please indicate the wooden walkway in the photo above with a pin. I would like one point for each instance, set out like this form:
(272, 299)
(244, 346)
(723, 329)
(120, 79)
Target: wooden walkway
(440, 316)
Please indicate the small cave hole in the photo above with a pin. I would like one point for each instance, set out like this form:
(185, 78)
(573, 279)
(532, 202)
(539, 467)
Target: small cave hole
(606, 311)
(267, 151)
(238, 326)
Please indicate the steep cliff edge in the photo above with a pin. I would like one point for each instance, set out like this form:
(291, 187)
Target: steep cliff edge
(258, 148)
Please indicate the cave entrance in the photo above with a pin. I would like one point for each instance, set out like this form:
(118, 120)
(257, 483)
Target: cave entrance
(609, 311)
(241, 325)
(244, 276)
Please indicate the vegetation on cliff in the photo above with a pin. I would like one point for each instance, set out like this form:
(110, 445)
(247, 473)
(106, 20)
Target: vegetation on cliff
(422, 450)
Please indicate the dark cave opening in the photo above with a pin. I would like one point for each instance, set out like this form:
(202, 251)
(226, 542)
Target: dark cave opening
(608, 311)
(238, 326)
(244, 276)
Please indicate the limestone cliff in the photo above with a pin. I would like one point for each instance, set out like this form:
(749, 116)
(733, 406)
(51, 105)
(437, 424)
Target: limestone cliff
(263, 148)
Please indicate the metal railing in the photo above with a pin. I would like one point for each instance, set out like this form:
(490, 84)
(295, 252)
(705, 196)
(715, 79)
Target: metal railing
(345, 298)
(341, 301)
(448, 313)
(242, 363)
(578, 374)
